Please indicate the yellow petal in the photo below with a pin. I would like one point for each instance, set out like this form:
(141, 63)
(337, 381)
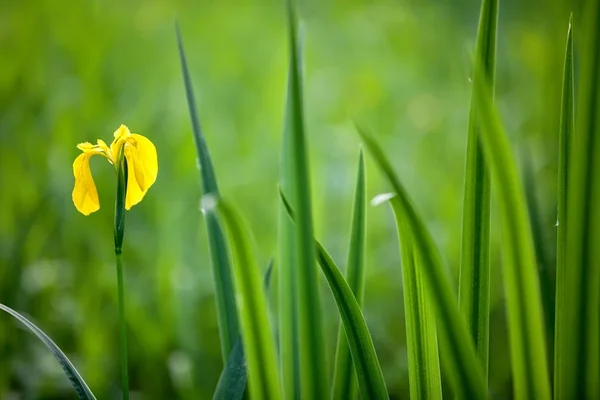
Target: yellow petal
(85, 195)
(147, 155)
(133, 160)
(122, 132)
(134, 193)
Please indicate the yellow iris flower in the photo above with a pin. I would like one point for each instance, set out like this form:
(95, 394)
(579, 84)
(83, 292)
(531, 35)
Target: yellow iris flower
(142, 166)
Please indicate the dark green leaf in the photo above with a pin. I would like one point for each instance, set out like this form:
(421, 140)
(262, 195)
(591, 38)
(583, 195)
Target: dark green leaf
(82, 389)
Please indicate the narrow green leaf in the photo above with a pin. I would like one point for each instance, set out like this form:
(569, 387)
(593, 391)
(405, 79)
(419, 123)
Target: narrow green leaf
(524, 305)
(458, 355)
(344, 376)
(219, 253)
(421, 338)
(289, 352)
(578, 321)
(364, 357)
(474, 283)
(81, 388)
(232, 382)
(313, 368)
(257, 337)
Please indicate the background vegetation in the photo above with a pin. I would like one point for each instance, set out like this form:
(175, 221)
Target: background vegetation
(72, 72)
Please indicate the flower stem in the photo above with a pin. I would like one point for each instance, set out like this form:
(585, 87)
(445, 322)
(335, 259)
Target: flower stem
(124, 369)
(119, 232)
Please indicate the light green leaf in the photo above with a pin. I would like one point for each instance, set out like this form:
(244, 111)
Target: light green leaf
(458, 355)
(366, 363)
(344, 375)
(257, 337)
(524, 305)
(421, 338)
(81, 388)
(578, 319)
(232, 382)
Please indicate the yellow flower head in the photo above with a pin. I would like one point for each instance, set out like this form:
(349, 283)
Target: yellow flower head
(142, 166)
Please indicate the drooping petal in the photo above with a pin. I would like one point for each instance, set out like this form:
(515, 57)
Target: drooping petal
(134, 193)
(148, 157)
(85, 195)
(133, 160)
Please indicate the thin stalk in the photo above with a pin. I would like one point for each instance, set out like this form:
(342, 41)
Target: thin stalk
(119, 232)
(124, 369)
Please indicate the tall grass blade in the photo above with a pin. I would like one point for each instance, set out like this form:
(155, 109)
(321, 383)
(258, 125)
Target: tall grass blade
(578, 320)
(524, 305)
(232, 382)
(458, 355)
(313, 368)
(562, 310)
(344, 376)
(366, 363)
(474, 283)
(288, 310)
(257, 337)
(421, 338)
(219, 253)
(81, 388)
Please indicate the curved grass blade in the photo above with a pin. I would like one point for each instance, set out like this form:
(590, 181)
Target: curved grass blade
(257, 338)
(524, 305)
(313, 367)
(344, 375)
(364, 357)
(81, 388)
(458, 355)
(232, 382)
(579, 358)
(219, 253)
(421, 338)
(474, 283)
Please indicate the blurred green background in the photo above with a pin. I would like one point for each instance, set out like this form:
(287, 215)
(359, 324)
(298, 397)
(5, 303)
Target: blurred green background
(73, 71)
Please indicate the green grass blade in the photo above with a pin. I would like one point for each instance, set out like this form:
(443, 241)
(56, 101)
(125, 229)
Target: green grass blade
(313, 368)
(579, 331)
(364, 357)
(474, 283)
(232, 382)
(567, 127)
(524, 305)
(288, 310)
(344, 376)
(421, 338)
(81, 388)
(257, 337)
(458, 355)
(219, 253)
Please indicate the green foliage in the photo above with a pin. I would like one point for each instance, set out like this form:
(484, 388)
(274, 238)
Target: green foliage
(474, 284)
(401, 67)
(82, 389)
(344, 381)
(366, 363)
(219, 252)
(257, 338)
(423, 356)
(311, 346)
(578, 322)
(524, 305)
